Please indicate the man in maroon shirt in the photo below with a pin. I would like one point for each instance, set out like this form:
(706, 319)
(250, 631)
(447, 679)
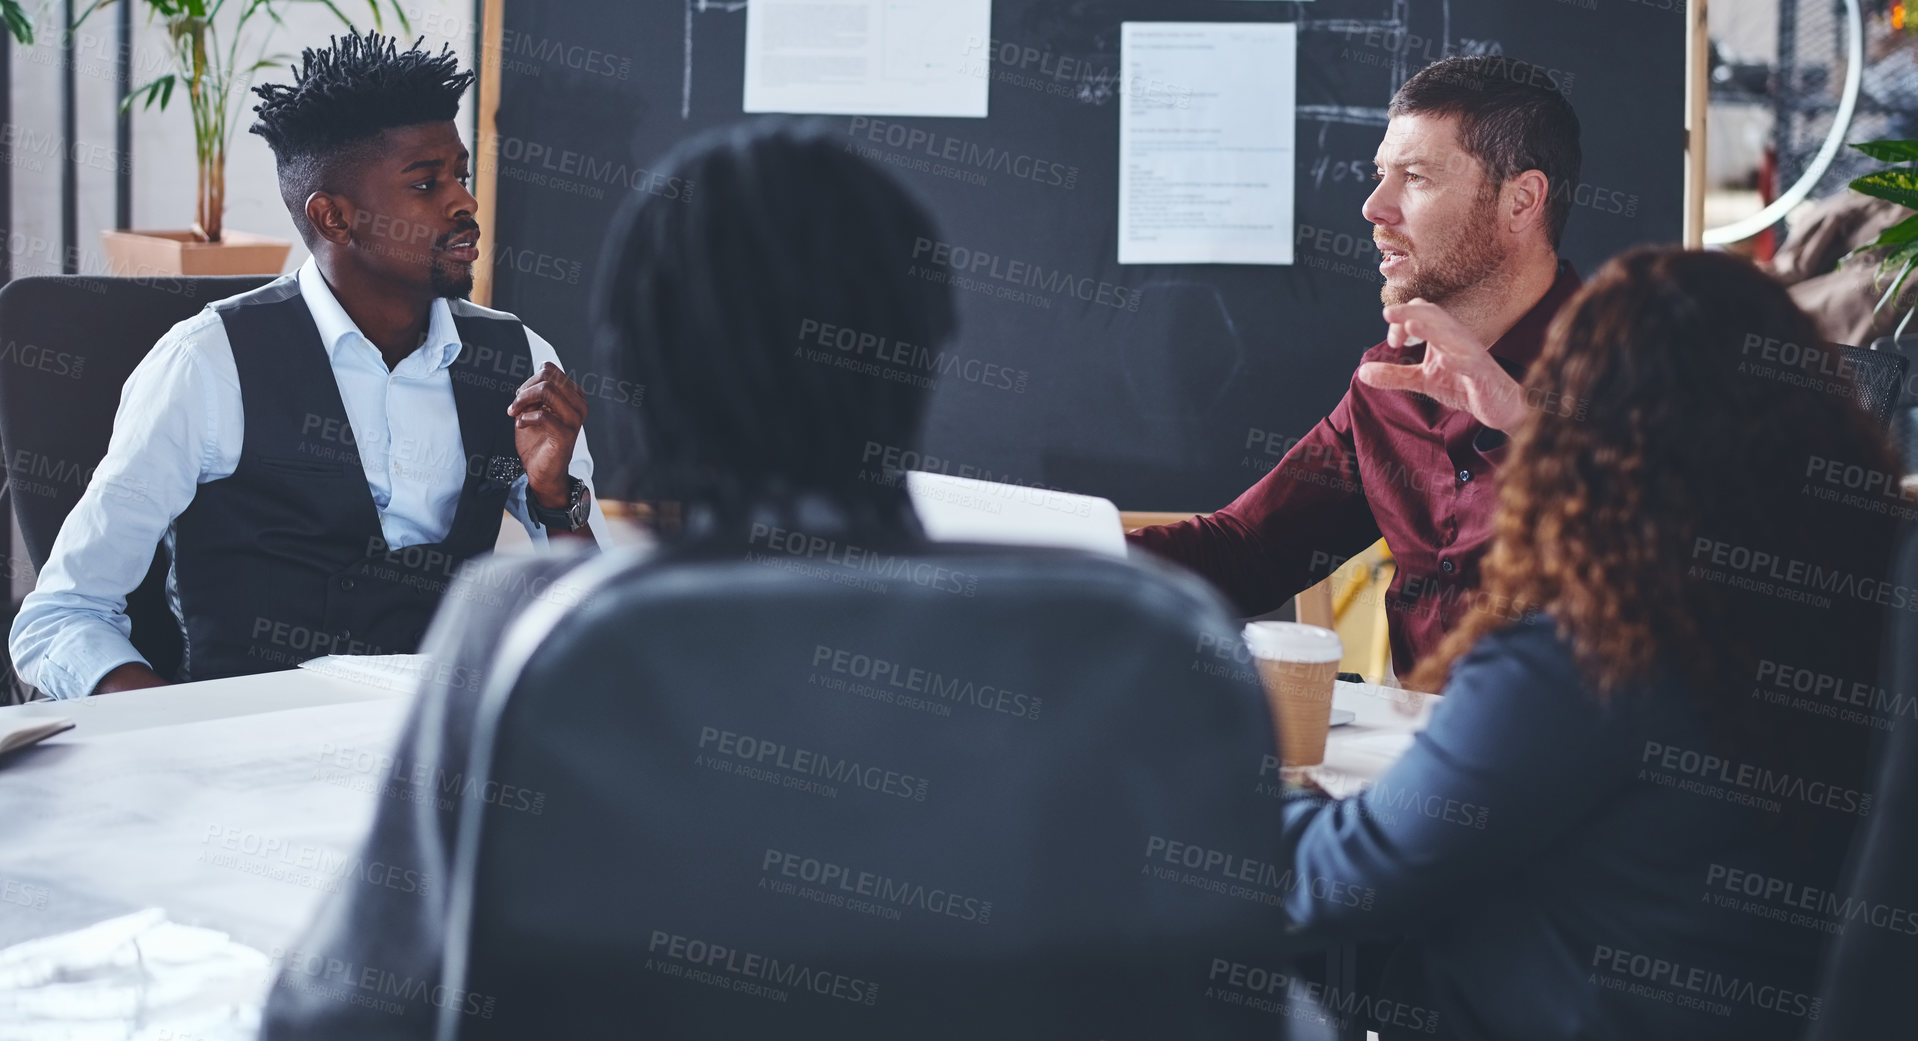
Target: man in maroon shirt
(1475, 180)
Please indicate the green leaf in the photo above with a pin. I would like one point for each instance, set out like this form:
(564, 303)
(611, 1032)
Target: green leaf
(331, 6)
(17, 22)
(13, 8)
(1897, 235)
(1904, 257)
(1890, 151)
(1900, 233)
(1896, 258)
(160, 87)
(1899, 185)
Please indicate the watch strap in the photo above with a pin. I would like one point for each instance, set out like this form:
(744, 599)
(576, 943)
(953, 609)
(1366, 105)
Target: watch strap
(572, 518)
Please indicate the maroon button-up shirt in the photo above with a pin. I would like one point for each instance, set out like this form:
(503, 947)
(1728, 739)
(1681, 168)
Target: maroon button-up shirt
(1384, 463)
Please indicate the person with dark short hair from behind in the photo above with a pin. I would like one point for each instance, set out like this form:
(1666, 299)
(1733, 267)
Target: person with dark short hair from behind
(738, 430)
(1626, 817)
(320, 455)
(1476, 179)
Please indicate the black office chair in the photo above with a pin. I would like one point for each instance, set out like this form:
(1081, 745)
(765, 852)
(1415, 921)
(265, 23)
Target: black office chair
(1879, 376)
(67, 345)
(1905, 405)
(1873, 964)
(990, 796)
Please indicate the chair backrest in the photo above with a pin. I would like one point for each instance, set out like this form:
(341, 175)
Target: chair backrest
(1879, 377)
(1905, 407)
(979, 794)
(68, 345)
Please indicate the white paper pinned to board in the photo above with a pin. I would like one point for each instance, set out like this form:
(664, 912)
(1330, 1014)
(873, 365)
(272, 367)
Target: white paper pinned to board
(1207, 128)
(866, 57)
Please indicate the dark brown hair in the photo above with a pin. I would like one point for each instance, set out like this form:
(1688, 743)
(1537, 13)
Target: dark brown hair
(1632, 510)
(1512, 118)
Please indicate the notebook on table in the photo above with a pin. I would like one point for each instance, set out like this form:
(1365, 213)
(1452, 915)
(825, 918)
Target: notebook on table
(19, 733)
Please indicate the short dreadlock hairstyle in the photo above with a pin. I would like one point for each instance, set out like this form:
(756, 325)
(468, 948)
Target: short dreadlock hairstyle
(340, 99)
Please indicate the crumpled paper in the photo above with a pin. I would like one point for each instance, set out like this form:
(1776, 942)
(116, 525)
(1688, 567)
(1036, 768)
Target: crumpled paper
(138, 977)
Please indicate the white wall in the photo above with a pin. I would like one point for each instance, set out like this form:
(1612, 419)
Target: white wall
(1736, 135)
(163, 168)
(1746, 28)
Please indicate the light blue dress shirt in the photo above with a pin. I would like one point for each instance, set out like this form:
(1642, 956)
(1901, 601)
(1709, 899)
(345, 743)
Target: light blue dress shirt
(181, 424)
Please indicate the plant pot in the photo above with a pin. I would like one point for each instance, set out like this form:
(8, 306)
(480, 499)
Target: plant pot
(151, 254)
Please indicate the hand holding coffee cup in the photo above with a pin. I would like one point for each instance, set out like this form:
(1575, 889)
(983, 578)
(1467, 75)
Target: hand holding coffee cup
(1298, 665)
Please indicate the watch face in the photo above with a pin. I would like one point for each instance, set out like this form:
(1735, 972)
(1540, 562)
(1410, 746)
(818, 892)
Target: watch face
(577, 510)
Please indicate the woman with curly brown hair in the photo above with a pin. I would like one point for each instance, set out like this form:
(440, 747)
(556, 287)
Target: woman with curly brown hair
(1660, 708)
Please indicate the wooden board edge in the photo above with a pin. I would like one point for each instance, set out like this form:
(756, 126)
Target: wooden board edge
(486, 170)
(1697, 103)
(1132, 520)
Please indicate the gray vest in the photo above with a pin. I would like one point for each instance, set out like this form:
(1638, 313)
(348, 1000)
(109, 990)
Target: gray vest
(284, 560)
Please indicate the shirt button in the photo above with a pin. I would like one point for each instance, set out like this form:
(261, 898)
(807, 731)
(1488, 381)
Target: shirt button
(347, 583)
(1465, 477)
(1447, 566)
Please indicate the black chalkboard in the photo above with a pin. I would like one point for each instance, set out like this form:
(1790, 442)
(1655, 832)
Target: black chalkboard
(1168, 401)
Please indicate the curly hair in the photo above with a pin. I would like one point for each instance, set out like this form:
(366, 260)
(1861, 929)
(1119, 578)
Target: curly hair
(1665, 512)
(340, 99)
(354, 89)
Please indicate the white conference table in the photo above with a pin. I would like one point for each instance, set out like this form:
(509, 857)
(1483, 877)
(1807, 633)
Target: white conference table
(215, 802)
(136, 805)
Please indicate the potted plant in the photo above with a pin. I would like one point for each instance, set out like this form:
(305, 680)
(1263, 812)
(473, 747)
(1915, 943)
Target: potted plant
(1898, 184)
(211, 64)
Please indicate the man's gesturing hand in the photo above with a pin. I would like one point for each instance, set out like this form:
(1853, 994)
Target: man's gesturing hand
(547, 414)
(1458, 371)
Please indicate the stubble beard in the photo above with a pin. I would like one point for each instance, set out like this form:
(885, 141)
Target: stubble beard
(1471, 257)
(452, 281)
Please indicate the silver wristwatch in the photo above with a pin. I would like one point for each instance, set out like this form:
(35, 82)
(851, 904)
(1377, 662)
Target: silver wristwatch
(572, 518)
